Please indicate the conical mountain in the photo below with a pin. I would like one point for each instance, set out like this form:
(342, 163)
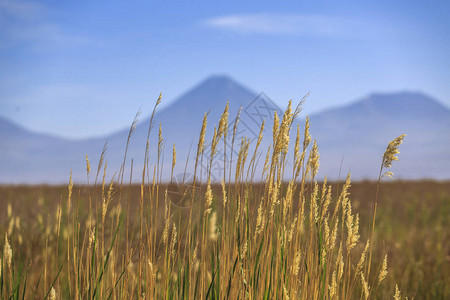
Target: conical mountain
(355, 134)
(181, 121)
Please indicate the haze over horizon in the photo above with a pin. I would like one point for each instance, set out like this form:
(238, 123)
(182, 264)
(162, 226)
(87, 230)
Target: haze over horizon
(357, 132)
(222, 79)
(77, 70)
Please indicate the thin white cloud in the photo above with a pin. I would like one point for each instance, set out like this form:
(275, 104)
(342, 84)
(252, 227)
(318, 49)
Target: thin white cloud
(26, 21)
(287, 24)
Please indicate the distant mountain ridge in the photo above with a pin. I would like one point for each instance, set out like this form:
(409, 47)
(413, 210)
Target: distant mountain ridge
(357, 133)
(361, 130)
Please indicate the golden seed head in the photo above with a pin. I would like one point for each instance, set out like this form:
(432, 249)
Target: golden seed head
(266, 161)
(288, 198)
(397, 295)
(340, 263)
(214, 143)
(236, 121)
(281, 136)
(159, 99)
(201, 140)
(7, 252)
(244, 250)
(343, 197)
(88, 165)
(333, 286)
(313, 160)
(224, 193)
(392, 150)
(297, 262)
(332, 241)
(292, 230)
(306, 135)
(194, 255)
(160, 138)
(52, 295)
(297, 145)
(104, 210)
(242, 156)
(314, 209)
(238, 210)
(259, 220)
(174, 156)
(326, 195)
(213, 227)
(383, 271)
(9, 210)
(352, 228)
(285, 292)
(174, 240)
(166, 223)
(208, 198)
(360, 264)
(260, 135)
(326, 230)
(223, 123)
(388, 174)
(91, 237)
(365, 286)
(276, 124)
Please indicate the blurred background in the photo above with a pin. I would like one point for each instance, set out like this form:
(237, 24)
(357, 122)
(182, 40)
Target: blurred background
(73, 74)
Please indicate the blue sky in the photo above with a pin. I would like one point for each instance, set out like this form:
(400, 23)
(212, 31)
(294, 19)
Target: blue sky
(83, 68)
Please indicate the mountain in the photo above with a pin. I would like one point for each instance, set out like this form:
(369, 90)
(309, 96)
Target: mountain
(354, 134)
(358, 133)
(29, 157)
(181, 122)
(182, 119)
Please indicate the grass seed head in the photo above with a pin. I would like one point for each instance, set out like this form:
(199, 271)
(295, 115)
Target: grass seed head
(208, 198)
(223, 123)
(340, 263)
(224, 193)
(383, 271)
(392, 150)
(313, 160)
(362, 259)
(285, 292)
(297, 262)
(332, 288)
(88, 165)
(307, 136)
(174, 240)
(52, 295)
(213, 226)
(174, 156)
(275, 127)
(7, 252)
(365, 286)
(92, 237)
(244, 250)
(397, 295)
(201, 140)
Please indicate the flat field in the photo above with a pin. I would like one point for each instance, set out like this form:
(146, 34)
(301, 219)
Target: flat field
(412, 228)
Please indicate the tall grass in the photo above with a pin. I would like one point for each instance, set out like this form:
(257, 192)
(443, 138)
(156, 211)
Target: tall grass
(268, 239)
